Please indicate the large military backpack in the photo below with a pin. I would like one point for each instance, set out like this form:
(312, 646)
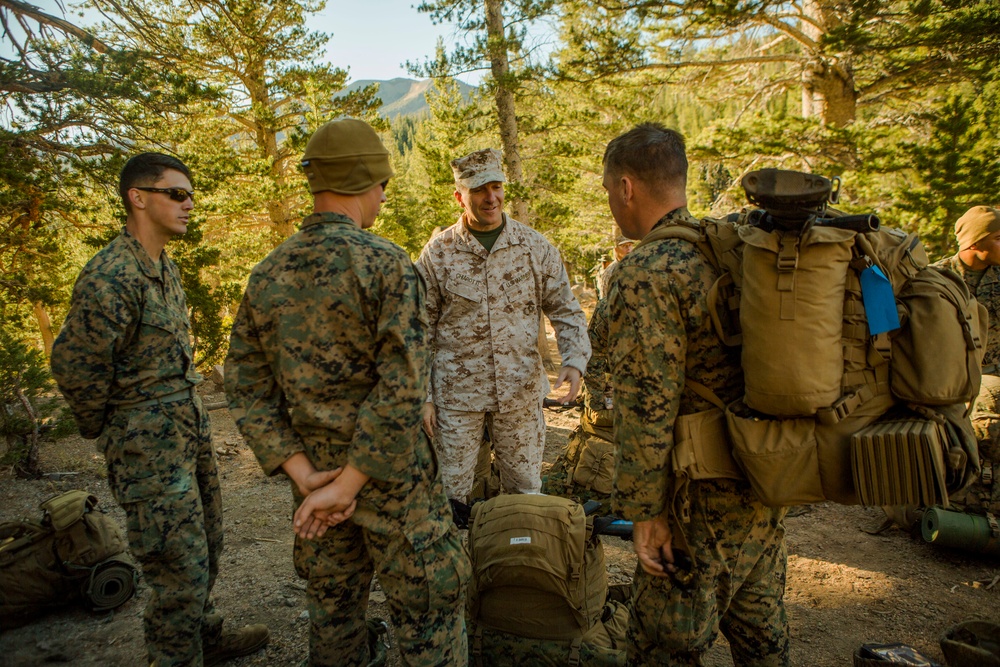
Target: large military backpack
(539, 586)
(842, 323)
(75, 553)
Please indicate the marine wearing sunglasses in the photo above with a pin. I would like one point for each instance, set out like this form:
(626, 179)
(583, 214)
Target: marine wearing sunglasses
(177, 194)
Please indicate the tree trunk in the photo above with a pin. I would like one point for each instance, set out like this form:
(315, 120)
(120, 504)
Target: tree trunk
(506, 113)
(496, 45)
(828, 92)
(28, 466)
(828, 89)
(44, 326)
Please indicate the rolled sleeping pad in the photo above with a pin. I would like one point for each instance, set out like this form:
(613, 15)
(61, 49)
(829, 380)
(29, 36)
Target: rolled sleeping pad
(959, 530)
(111, 584)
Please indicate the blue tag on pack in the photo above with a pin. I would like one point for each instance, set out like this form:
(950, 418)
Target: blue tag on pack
(880, 303)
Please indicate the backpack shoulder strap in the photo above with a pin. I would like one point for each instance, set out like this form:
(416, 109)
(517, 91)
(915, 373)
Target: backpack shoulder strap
(677, 228)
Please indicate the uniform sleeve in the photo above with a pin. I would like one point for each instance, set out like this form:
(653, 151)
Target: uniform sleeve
(389, 418)
(255, 397)
(432, 308)
(564, 312)
(83, 354)
(597, 332)
(648, 365)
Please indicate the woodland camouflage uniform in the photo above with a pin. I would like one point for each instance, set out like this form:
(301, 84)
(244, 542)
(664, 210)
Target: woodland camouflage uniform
(328, 357)
(660, 333)
(484, 309)
(126, 341)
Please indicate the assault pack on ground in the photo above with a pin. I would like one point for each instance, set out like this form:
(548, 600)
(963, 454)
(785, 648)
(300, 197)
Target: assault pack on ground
(859, 359)
(75, 553)
(584, 470)
(539, 593)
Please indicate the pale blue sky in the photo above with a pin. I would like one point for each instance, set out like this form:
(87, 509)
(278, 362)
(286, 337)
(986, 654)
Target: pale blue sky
(375, 37)
(371, 38)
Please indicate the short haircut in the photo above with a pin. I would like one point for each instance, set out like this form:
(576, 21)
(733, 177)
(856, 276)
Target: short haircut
(146, 169)
(650, 153)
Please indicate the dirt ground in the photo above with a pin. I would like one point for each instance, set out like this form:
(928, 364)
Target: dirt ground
(845, 587)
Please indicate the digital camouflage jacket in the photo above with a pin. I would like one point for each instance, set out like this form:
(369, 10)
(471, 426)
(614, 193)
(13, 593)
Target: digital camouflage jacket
(127, 337)
(328, 356)
(659, 334)
(484, 310)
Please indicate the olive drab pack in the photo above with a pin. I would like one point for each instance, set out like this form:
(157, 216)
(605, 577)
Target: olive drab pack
(538, 567)
(836, 316)
(584, 469)
(75, 552)
(539, 592)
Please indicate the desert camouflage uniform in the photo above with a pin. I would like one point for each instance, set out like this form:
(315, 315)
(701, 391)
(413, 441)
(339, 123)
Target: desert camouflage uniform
(484, 310)
(660, 334)
(987, 292)
(125, 341)
(328, 357)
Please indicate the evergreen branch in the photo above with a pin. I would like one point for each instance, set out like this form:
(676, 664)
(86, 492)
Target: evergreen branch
(24, 9)
(889, 82)
(789, 30)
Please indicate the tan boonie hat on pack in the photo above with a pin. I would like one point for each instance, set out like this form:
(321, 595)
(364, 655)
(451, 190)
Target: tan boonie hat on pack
(977, 223)
(478, 168)
(347, 157)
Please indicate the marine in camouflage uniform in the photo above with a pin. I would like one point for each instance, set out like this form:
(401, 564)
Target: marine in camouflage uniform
(489, 278)
(978, 262)
(123, 361)
(328, 364)
(660, 335)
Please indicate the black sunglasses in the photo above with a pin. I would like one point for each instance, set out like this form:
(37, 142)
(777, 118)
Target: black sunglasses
(177, 194)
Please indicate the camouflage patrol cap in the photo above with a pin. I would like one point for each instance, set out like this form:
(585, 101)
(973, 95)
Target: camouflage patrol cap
(977, 223)
(347, 157)
(478, 168)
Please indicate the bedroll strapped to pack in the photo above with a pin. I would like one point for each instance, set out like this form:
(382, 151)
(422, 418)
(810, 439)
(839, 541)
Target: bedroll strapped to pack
(75, 553)
(799, 285)
(538, 567)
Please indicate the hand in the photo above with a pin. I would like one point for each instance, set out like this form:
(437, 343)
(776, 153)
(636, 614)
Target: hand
(322, 509)
(430, 419)
(330, 505)
(651, 540)
(317, 480)
(574, 377)
(303, 473)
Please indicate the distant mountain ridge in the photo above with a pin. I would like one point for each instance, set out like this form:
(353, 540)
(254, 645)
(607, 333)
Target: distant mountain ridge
(403, 97)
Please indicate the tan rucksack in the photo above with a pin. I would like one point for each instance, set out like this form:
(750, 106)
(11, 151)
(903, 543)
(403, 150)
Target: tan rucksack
(538, 568)
(75, 553)
(791, 295)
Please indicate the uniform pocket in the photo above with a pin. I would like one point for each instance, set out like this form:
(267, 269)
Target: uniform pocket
(470, 291)
(678, 621)
(432, 578)
(146, 530)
